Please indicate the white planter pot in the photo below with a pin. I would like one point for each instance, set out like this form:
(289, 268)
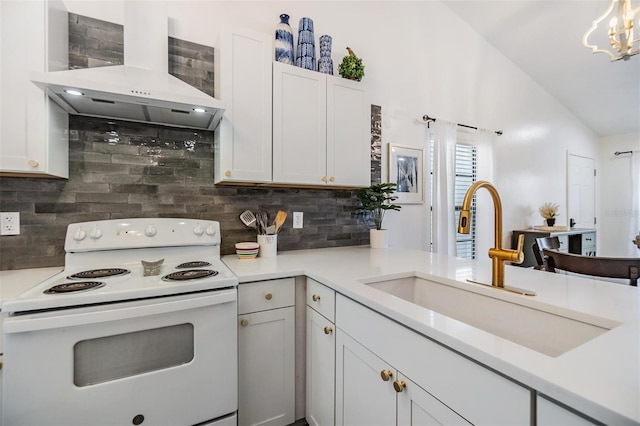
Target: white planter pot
(378, 238)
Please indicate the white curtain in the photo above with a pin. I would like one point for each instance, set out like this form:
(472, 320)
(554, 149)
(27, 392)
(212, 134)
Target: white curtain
(634, 225)
(444, 135)
(485, 141)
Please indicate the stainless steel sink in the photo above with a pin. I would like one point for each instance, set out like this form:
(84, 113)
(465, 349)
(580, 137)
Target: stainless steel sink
(551, 332)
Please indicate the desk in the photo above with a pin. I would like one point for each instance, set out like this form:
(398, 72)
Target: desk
(572, 240)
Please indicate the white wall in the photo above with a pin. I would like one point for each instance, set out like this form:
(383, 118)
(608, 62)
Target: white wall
(615, 210)
(421, 59)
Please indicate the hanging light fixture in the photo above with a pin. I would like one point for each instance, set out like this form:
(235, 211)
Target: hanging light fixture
(620, 16)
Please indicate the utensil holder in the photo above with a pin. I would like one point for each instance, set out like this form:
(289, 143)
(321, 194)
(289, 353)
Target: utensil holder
(268, 245)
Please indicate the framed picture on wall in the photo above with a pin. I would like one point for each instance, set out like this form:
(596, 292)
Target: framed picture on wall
(406, 170)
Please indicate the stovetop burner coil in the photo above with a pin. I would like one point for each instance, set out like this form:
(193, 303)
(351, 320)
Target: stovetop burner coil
(190, 274)
(74, 287)
(99, 273)
(196, 264)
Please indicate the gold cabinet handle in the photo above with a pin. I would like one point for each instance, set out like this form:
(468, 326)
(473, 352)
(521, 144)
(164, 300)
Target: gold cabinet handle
(331, 179)
(227, 173)
(268, 296)
(323, 178)
(386, 375)
(33, 163)
(244, 323)
(399, 385)
(315, 297)
(328, 330)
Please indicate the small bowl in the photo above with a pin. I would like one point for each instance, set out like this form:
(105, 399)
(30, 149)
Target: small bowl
(247, 250)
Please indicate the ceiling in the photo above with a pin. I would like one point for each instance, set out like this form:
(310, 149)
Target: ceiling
(544, 38)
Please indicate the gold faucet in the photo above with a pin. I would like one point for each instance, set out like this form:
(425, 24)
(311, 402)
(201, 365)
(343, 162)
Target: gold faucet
(497, 254)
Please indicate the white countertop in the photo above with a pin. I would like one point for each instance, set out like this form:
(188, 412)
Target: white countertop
(15, 281)
(600, 378)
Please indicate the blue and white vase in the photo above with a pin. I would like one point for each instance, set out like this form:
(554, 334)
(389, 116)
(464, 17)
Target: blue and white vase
(325, 63)
(284, 41)
(306, 52)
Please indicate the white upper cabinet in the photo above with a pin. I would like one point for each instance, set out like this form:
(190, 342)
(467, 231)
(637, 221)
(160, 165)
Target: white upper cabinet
(243, 139)
(33, 129)
(321, 131)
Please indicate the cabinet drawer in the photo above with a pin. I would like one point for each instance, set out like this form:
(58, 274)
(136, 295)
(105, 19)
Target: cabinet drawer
(322, 299)
(264, 295)
(588, 240)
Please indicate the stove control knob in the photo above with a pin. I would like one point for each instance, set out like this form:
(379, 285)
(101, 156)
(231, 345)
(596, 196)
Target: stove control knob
(211, 230)
(198, 230)
(96, 233)
(79, 235)
(150, 231)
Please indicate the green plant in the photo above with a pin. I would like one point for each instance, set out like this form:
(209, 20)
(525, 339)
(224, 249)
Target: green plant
(377, 199)
(351, 66)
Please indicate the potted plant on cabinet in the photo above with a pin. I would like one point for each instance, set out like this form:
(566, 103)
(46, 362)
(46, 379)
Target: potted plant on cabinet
(549, 211)
(377, 199)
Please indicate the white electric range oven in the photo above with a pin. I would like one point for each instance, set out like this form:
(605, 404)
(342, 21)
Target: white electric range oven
(139, 328)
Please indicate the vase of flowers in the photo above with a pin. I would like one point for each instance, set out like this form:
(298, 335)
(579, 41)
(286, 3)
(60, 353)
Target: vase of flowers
(549, 211)
(377, 199)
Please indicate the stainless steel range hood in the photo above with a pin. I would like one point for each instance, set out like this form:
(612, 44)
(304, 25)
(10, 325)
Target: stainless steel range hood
(142, 90)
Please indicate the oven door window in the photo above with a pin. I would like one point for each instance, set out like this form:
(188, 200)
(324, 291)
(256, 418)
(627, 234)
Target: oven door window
(115, 357)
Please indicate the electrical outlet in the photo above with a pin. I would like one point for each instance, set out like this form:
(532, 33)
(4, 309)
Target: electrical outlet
(297, 220)
(10, 223)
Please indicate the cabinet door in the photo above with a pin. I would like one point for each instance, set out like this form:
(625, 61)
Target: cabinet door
(362, 396)
(551, 414)
(266, 368)
(34, 130)
(348, 133)
(416, 406)
(320, 365)
(299, 125)
(243, 140)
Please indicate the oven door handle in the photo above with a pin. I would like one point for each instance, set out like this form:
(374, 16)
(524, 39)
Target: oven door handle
(36, 322)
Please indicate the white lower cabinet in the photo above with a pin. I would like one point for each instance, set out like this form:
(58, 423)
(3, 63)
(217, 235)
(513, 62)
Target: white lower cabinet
(266, 351)
(456, 389)
(416, 406)
(551, 414)
(320, 355)
(371, 391)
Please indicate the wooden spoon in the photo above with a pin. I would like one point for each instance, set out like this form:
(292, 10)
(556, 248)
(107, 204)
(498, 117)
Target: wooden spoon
(280, 218)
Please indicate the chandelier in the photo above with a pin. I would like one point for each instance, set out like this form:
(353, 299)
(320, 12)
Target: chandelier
(620, 35)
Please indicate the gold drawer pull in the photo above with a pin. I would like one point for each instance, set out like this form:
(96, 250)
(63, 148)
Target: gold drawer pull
(386, 375)
(268, 296)
(328, 330)
(399, 385)
(227, 173)
(244, 323)
(33, 163)
(315, 297)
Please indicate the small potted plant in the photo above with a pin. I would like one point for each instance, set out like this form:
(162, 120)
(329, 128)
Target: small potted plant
(351, 66)
(377, 199)
(549, 211)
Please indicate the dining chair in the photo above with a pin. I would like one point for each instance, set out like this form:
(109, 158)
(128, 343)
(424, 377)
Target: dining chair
(606, 267)
(540, 244)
